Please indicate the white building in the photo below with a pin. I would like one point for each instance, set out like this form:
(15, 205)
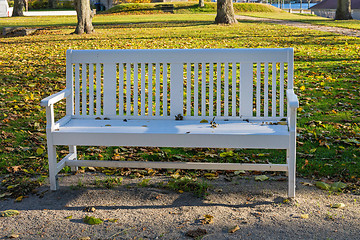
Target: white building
(327, 8)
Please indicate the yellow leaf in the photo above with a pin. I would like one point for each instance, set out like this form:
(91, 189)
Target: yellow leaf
(39, 151)
(204, 121)
(234, 229)
(302, 88)
(19, 199)
(304, 216)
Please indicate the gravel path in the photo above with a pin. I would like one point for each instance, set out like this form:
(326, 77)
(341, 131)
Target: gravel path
(337, 30)
(259, 209)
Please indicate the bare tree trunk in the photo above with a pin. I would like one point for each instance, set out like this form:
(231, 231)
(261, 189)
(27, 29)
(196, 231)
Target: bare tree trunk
(84, 17)
(18, 8)
(53, 3)
(225, 12)
(201, 3)
(343, 11)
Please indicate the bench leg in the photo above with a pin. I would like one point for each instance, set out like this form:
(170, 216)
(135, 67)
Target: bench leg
(292, 167)
(53, 167)
(72, 149)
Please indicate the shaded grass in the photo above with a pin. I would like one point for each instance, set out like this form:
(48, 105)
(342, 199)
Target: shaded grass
(327, 70)
(307, 18)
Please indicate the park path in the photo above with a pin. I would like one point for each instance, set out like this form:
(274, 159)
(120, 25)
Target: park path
(337, 30)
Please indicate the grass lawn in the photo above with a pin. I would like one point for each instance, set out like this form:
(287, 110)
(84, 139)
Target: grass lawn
(327, 73)
(307, 18)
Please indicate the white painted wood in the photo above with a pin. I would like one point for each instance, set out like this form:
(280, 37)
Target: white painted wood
(266, 89)
(165, 89)
(154, 127)
(91, 89)
(273, 90)
(142, 93)
(150, 89)
(211, 89)
(234, 88)
(203, 89)
(178, 165)
(226, 89)
(188, 89)
(98, 89)
(157, 89)
(176, 89)
(136, 89)
(121, 89)
(258, 89)
(128, 89)
(83, 88)
(196, 89)
(77, 89)
(281, 90)
(218, 89)
(109, 89)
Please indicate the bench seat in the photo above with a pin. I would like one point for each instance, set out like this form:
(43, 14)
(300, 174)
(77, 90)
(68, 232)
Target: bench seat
(171, 133)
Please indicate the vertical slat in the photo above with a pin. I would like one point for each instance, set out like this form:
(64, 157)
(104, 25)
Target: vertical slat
(211, 89)
(128, 89)
(157, 89)
(176, 89)
(246, 89)
(142, 94)
(266, 89)
(109, 89)
(226, 89)
(98, 89)
(218, 89)
(121, 89)
(165, 89)
(91, 89)
(188, 89)
(258, 89)
(69, 83)
(136, 85)
(77, 89)
(290, 69)
(84, 88)
(150, 92)
(281, 89)
(273, 90)
(233, 94)
(203, 89)
(196, 89)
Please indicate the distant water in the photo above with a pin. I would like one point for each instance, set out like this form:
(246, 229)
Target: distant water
(294, 5)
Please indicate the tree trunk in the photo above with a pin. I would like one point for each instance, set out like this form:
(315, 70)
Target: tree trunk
(201, 3)
(18, 8)
(343, 11)
(225, 12)
(84, 17)
(53, 3)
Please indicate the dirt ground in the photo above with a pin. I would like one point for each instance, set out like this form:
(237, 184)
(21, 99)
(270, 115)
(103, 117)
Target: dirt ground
(259, 209)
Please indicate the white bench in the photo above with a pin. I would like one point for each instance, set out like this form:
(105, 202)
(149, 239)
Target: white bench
(132, 97)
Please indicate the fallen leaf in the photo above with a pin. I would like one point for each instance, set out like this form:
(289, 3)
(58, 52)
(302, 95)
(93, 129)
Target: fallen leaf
(113, 220)
(14, 236)
(204, 121)
(207, 220)
(68, 217)
(39, 151)
(89, 209)
(338, 205)
(304, 216)
(92, 220)
(261, 178)
(307, 184)
(84, 238)
(234, 229)
(211, 176)
(19, 199)
(337, 186)
(9, 213)
(239, 172)
(227, 154)
(322, 185)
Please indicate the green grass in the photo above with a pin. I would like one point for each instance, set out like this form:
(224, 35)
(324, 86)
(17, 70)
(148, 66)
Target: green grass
(186, 8)
(307, 18)
(327, 72)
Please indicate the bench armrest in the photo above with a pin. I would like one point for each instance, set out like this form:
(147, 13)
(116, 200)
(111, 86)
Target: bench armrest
(55, 98)
(292, 98)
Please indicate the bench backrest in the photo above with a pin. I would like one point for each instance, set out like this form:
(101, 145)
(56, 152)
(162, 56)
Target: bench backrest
(226, 83)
